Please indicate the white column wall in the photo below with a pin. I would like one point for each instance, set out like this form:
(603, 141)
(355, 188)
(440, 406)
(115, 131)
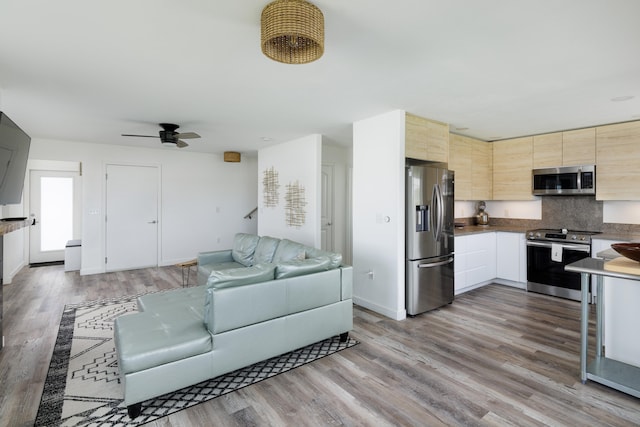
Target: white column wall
(378, 214)
(294, 161)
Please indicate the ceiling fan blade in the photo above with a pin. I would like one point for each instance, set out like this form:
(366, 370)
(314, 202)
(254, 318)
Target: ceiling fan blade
(188, 135)
(141, 136)
(181, 144)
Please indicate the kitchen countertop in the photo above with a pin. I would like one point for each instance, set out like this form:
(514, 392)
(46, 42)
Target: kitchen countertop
(9, 226)
(479, 229)
(627, 237)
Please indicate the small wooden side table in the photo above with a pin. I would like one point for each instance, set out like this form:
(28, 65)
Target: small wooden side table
(186, 269)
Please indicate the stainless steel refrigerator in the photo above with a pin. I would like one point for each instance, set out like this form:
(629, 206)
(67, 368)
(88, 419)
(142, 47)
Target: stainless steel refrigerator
(429, 237)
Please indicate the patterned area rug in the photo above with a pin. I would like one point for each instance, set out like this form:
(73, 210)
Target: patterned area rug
(83, 387)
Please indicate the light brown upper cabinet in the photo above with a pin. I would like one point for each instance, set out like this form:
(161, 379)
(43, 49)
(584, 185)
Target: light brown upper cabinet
(472, 161)
(579, 147)
(512, 164)
(618, 161)
(547, 150)
(570, 148)
(482, 179)
(426, 139)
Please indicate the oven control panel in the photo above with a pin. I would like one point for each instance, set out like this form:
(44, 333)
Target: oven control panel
(561, 235)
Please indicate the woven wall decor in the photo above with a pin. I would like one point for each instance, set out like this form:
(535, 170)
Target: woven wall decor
(292, 31)
(295, 215)
(270, 188)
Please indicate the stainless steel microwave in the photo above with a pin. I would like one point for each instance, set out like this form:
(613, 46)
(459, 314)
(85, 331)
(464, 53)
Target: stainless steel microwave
(568, 180)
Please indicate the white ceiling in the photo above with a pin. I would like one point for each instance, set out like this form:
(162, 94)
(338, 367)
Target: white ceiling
(91, 70)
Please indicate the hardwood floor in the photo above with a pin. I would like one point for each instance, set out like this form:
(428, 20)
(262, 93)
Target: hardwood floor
(496, 356)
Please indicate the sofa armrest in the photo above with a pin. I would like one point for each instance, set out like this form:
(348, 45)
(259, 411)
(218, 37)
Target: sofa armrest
(346, 272)
(214, 257)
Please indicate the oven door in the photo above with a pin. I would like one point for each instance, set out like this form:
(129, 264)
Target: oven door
(547, 276)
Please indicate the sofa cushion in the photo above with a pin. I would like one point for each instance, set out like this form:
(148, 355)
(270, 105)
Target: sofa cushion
(335, 259)
(265, 249)
(238, 306)
(288, 251)
(191, 298)
(149, 339)
(244, 245)
(300, 267)
(241, 276)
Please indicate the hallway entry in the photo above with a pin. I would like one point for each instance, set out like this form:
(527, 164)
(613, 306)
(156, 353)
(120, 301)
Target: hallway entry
(54, 203)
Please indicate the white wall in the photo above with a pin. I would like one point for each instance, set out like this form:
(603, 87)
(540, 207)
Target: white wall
(378, 194)
(295, 161)
(203, 198)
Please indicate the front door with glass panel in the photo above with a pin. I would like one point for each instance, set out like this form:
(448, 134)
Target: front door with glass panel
(54, 206)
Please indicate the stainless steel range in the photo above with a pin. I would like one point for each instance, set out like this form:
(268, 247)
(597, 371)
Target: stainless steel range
(548, 252)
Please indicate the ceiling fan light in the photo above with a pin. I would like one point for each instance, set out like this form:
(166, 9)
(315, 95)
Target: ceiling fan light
(292, 31)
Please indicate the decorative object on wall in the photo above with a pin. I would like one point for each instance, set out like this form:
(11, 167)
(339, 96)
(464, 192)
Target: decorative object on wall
(270, 188)
(292, 31)
(231, 156)
(294, 205)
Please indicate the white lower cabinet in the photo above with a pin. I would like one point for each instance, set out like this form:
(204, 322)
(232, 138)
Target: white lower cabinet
(511, 257)
(475, 261)
(493, 256)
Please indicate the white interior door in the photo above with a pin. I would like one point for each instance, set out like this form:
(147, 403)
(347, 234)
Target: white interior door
(54, 202)
(326, 209)
(131, 217)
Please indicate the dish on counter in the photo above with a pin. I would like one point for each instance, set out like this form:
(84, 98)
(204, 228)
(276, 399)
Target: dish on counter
(628, 250)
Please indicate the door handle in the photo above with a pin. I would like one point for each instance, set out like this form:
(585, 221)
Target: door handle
(435, 264)
(152, 222)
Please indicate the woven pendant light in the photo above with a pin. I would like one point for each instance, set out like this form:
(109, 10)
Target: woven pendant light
(231, 156)
(292, 31)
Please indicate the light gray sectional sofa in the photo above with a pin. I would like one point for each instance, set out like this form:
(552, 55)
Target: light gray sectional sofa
(263, 298)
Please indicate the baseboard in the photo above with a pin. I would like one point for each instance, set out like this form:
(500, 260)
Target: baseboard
(513, 284)
(474, 286)
(10, 275)
(396, 315)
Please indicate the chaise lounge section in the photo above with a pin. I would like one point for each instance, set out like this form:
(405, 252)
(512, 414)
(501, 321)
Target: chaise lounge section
(252, 302)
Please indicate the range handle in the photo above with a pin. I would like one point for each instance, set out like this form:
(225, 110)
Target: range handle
(579, 248)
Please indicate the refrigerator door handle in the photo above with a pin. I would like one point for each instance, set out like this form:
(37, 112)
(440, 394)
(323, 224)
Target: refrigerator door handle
(440, 212)
(435, 215)
(437, 202)
(436, 264)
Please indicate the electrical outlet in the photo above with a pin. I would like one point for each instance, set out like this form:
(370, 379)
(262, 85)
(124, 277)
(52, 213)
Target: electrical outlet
(370, 274)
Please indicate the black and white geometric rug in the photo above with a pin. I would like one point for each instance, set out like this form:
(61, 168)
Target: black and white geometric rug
(83, 388)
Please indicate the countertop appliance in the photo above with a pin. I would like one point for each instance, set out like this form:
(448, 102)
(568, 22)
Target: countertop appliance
(548, 252)
(429, 237)
(482, 218)
(564, 181)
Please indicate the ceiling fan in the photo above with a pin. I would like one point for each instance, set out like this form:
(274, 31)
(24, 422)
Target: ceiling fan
(169, 136)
